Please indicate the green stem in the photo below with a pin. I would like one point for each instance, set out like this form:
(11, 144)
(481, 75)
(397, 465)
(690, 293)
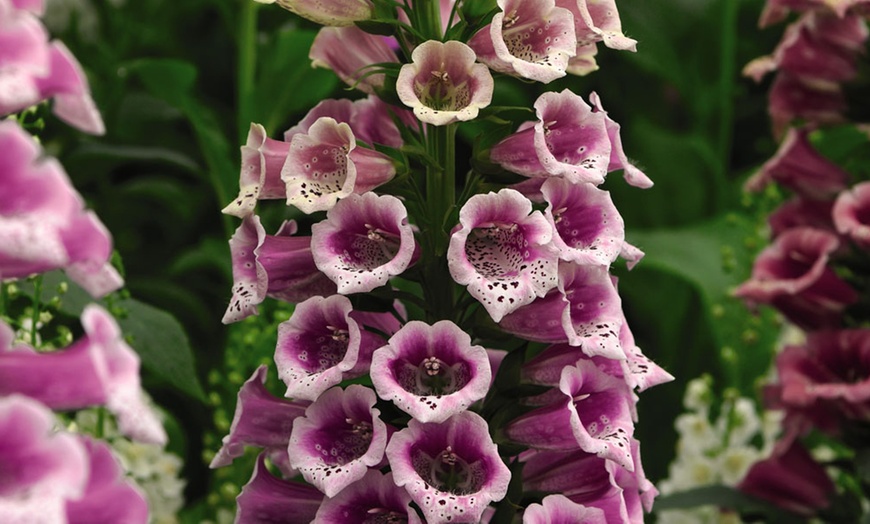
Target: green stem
(431, 22)
(727, 72)
(37, 292)
(247, 62)
(3, 299)
(101, 422)
(440, 201)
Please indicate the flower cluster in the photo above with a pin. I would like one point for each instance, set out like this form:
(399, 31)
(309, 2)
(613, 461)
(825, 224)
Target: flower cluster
(812, 273)
(483, 331)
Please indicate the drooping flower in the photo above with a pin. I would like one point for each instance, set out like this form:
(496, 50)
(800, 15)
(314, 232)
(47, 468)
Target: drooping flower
(261, 420)
(583, 61)
(328, 12)
(817, 103)
(598, 21)
(431, 372)
(43, 223)
(452, 470)
(618, 159)
(267, 498)
(372, 499)
(370, 119)
(531, 40)
(442, 84)
(260, 178)
(802, 212)
(280, 266)
(324, 165)
(97, 369)
(501, 252)
(851, 214)
(352, 63)
(364, 240)
(340, 437)
(558, 509)
(321, 345)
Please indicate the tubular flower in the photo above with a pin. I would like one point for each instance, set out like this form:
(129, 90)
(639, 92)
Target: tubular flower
(502, 252)
(364, 240)
(324, 165)
(531, 40)
(370, 119)
(374, 498)
(43, 223)
(352, 63)
(431, 372)
(618, 160)
(598, 21)
(442, 84)
(266, 498)
(852, 214)
(328, 12)
(559, 509)
(802, 212)
(260, 178)
(338, 439)
(452, 470)
(321, 345)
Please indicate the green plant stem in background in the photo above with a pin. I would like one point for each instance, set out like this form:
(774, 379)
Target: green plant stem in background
(431, 10)
(37, 292)
(247, 62)
(727, 75)
(440, 201)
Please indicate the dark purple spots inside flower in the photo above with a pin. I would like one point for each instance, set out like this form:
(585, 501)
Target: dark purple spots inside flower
(447, 471)
(368, 249)
(339, 445)
(431, 377)
(319, 351)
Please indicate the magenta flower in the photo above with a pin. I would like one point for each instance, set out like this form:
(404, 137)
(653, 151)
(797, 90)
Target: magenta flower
(43, 223)
(260, 178)
(42, 468)
(97, 369)
(816, 103)
(502, 252)
(352, 63)
(370, 119)
(280, 266)
(266, 498)
(583, 61)
(851, 214)
(452, 470)
(595, 414)
(328, 12)
(442, 84)
(324, 165)
(531, 40)
(338, 439)
(802, 212)
(261, 420)
(618, 160)
(598, 21)
(431, 372)
(321, 345)
(374, 498)
(364, 240)
(558, 509)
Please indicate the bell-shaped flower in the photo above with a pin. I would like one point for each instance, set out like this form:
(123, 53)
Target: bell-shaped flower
(598, 21)
(280, 266)
(559, 509)
(353, 64)
(261, 420)
(365, 240)
(452, 470)
(583, 62)
(792, 274)
(638, 370)
(595, 414)
(97, 369)
(531, 40)
(328, 12)
(267, 498)
(370, 119)
(431, 372)
(374, 498)
(325, 165)
(502, 252)
(260, 178)
(802, 212)
(43, 223)
(584, 311)
(42, 468)
(321, 345)
(816, 103)
(338, 439)
(851, 214)
(108, 495)
(442, 84)
(618, 159)
(799, 167)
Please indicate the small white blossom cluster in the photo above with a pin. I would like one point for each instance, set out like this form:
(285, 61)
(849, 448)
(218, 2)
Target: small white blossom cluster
(715, 451)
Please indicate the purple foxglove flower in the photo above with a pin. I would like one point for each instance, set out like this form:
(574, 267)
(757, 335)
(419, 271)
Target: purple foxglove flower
(584, 311)
(374, 498)
(639, 371)
(598, 21)
(98, 369)
(338, 439)
(109, 496)
(618, 160)
(502, 252)
(321, 345)
(260, 420)
(851, 214)
(583, 61)
(443, 85)
(352, 63)
(791, 98)
(267, 499)
(369, 118)
(776, 10)
(260, 178)
(431, 372)
(452, 470)
(36, 7)
(365, 240)
(531, 40)
(802, 212)
(280, 266)
(792, 274)
(42, 468)
(43, 223)
(588, 228)
(328, 12)
(799, 167)
(324, 165)
(558, 509)
(595, 413)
